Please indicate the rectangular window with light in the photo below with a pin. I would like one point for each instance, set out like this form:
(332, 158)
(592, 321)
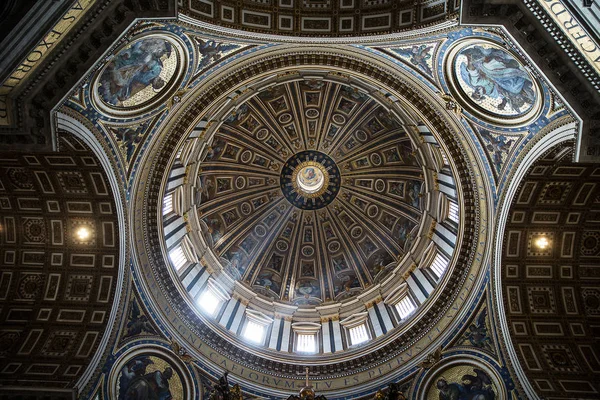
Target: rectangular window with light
(453, 211)
(405, 307)
(168, 204)
(358, 334)
(178, 257)
(439, 265)
(209, 302)
(306, 343)
(254, 332)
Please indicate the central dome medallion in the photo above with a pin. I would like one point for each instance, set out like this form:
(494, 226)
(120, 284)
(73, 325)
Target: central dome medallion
(310, 180)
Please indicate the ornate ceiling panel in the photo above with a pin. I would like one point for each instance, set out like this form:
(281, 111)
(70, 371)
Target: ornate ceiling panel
(59, 263)
(304, 247)
(321, 17)
(550, 289)
(366, 123)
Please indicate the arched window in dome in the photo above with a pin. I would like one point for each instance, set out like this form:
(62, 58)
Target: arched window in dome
(453, 211)
(209, 302)
(211, 298)
(357, 330)
(167, 204)
(306, 343)
(358, 334)
(254, 332)
(178, 257)
(439, 265)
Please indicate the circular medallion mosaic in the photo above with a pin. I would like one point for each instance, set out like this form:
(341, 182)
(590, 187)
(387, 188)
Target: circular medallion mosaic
(310, 180)
(149, 377)
(141, 73)
(493, 82)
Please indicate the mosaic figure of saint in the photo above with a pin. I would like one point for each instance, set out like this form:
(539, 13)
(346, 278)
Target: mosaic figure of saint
(496, 74)
(134, 69)
(136, 384)
(473, 387)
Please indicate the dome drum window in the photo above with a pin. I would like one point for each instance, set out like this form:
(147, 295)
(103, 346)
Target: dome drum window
(439, 265)
(211, 298)
(356, 327)
(402, 302)
(435, 262)
(453, 211)
(172, 203)
(208, 302)
(182, 254)
(405, 307)
(306, 343)
(167, 204)
(256, 327)
(178, 257)
(358, 334)
(305, 337)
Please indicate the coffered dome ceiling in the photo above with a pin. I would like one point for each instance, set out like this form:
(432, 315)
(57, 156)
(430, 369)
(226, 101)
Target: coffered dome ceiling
(310, 192)
(308, 198)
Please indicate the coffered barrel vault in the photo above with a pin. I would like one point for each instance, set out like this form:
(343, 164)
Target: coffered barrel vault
(558, 354)
(60, 258)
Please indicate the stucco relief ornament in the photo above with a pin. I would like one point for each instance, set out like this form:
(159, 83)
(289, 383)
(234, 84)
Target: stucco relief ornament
(181, 352)
(451, 103)
(432, 359)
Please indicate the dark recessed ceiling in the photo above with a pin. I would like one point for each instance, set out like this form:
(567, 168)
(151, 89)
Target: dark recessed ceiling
(316, 18)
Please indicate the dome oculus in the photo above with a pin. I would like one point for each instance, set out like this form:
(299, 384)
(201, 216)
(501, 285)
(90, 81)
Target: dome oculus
(310, 180)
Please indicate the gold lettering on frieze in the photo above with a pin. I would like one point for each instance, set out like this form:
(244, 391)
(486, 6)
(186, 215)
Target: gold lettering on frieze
(576, 34)
(39, 53)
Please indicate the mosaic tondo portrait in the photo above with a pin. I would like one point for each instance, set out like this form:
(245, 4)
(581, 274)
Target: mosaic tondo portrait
(149, 377)
(463, 382)
(141, 73)
(492, 82)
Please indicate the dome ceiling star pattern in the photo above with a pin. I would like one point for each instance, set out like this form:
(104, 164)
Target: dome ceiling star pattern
(257, 188)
